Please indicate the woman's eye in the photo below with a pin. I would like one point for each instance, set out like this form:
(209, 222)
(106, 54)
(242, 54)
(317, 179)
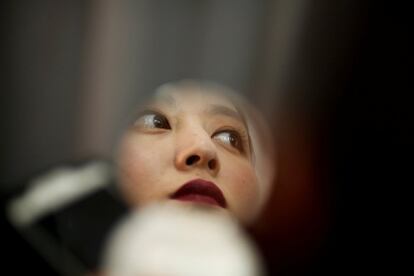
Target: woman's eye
(231, 138)
(153, 120)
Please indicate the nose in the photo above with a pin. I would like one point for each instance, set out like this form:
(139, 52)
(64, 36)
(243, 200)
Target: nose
(195, 149)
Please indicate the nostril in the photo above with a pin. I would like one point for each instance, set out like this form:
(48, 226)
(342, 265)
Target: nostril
(212, 164)
(192, 160)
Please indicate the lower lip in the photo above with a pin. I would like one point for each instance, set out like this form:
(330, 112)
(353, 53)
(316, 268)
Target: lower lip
(198, 199)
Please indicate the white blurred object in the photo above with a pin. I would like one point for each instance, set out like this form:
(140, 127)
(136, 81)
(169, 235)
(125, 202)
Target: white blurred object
(55, 190)
(172, 240)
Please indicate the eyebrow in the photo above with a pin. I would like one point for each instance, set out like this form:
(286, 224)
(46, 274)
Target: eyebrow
(215, 109)
(167, 99)
(235, 114)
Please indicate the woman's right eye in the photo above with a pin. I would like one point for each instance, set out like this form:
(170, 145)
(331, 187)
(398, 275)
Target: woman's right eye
(152, 119)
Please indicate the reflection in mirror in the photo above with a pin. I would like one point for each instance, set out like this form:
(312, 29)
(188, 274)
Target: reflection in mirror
(198, 142)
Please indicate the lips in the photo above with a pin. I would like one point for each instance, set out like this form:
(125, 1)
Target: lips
(201, 191)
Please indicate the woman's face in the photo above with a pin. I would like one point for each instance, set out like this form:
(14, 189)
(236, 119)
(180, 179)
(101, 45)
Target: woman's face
(192, 148)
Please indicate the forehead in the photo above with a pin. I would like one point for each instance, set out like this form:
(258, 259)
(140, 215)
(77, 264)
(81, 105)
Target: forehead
(192, 98)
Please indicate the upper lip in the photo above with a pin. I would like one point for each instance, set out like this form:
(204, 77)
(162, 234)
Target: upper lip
(201, 187)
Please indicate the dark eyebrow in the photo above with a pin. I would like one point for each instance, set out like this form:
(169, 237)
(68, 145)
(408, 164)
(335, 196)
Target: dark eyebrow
(225, 111)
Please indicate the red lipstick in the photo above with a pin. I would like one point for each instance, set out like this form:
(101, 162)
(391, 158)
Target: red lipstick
(199, 190)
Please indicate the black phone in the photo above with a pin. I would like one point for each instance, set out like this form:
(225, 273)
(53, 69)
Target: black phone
(68, 240)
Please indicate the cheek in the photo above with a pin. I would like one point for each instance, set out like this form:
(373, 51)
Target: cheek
(242, 187)
(140, 165)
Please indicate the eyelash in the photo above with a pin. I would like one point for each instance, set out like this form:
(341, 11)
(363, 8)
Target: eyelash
(143, 120)
(240, 136)
(241, 142)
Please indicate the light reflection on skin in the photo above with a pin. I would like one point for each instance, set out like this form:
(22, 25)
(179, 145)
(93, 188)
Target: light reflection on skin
(186, 133)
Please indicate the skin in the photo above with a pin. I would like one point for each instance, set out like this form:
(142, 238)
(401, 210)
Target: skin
(153, 156)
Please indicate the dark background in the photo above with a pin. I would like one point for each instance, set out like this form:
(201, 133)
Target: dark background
(331, 77)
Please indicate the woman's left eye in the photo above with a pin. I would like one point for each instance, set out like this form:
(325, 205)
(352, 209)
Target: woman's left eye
(230, 137)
